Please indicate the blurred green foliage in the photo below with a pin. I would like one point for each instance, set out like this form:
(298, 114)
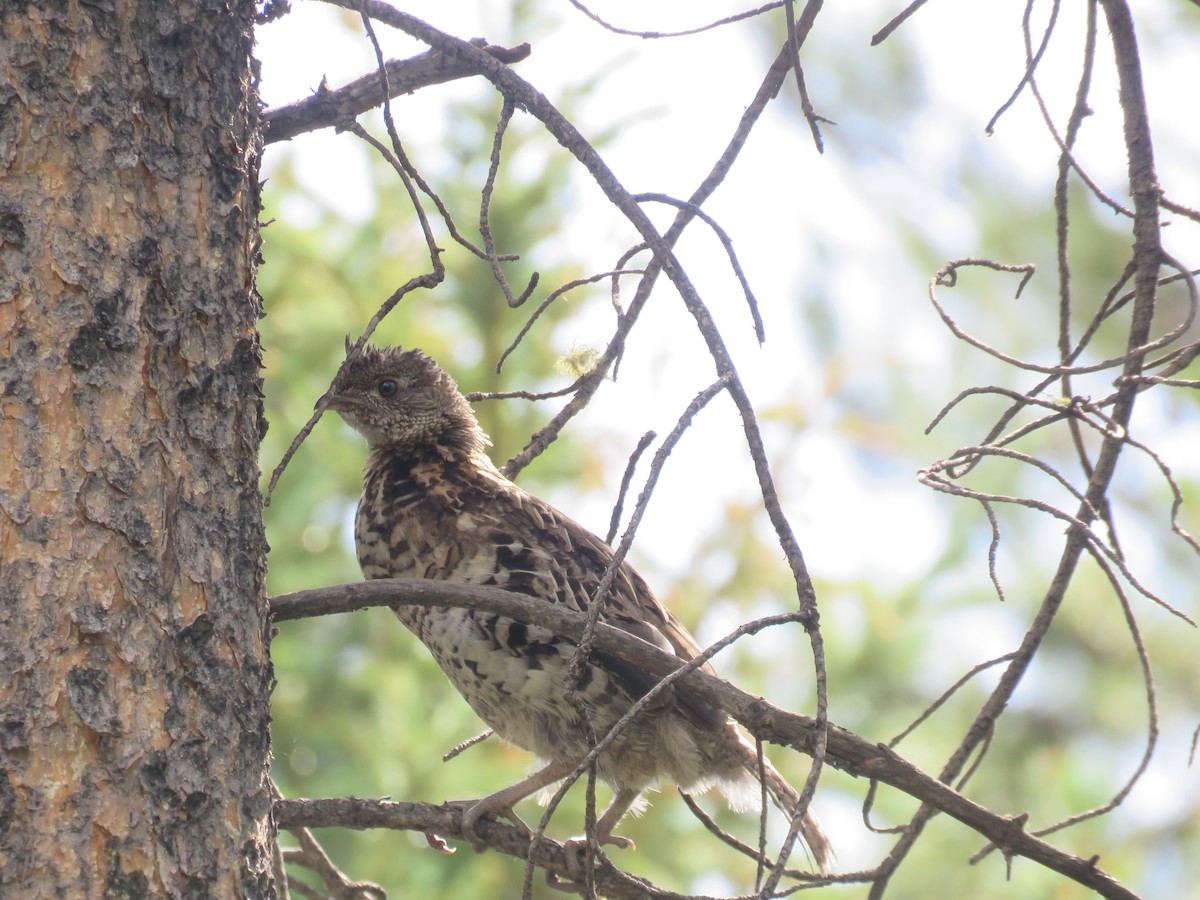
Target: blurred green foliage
(361, 709)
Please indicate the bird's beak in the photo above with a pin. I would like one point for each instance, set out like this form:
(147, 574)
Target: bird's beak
(334, 401)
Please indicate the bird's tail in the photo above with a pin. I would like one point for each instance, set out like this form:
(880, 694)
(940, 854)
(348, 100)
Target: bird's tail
(785, 797)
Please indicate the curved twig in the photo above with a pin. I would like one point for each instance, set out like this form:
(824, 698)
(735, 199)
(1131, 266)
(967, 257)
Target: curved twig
(616, 29)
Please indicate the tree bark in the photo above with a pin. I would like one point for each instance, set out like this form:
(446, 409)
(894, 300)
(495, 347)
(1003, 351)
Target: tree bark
(134, 675)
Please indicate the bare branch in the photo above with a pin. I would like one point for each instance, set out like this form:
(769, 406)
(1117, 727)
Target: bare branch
(485, 227)
(466, 745)
(796, 33)
(897, 20)
(615, 520)
(399, 161)
(844, 750)
(550, 298)
(737, 17)
(596, 601)
(751, 300)
(312, 856)
(1031, 62)
(447, 820)
(327, 108)
(1151, 707)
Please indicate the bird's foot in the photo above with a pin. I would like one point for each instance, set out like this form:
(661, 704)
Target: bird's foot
(438, 843)
(576, 854)
(474, 810)
(579, 844)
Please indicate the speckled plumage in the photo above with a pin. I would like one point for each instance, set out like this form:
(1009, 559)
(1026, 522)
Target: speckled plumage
(434, 506)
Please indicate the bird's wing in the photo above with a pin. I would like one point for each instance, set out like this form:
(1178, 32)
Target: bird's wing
(631, 606)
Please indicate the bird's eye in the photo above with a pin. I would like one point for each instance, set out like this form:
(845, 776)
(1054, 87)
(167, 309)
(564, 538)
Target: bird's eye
(388, 387)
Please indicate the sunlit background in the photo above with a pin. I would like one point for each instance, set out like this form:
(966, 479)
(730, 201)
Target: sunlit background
(839, 249)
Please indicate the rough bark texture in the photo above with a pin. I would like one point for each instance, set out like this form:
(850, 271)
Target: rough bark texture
(134, 676)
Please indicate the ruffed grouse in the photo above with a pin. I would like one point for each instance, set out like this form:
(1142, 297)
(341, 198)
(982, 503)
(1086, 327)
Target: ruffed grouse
(434, 506)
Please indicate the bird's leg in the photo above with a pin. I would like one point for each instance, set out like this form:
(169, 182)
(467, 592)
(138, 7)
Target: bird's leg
(616, 811)
(502, 802)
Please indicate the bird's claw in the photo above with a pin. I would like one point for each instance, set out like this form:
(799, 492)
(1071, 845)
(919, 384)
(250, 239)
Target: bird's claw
(576, 858)
(474, 810)
(438, 843)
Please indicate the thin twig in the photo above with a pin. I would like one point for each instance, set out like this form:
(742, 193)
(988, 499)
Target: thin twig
(554, 295)
(897, 20)
(466, 745)
(1151, 708)
(794, 40)
(596, 602)
(1031, 62)
(399, 160)
(615, 520)
(735, 264)
(745, 849)
(737, 17)
(485, 228)
(946, 695)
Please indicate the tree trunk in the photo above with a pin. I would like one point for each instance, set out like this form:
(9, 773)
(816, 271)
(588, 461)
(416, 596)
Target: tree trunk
(134, 675)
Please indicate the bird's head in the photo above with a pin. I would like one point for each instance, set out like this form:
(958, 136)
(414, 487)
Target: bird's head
(403, 400)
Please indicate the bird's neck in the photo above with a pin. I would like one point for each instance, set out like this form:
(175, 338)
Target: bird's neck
(431, 461)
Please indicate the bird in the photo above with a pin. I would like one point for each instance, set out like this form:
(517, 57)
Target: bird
(434, 506)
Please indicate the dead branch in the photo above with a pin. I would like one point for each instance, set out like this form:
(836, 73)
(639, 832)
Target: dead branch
(355, 813)
(328, 108)
(846, 751)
